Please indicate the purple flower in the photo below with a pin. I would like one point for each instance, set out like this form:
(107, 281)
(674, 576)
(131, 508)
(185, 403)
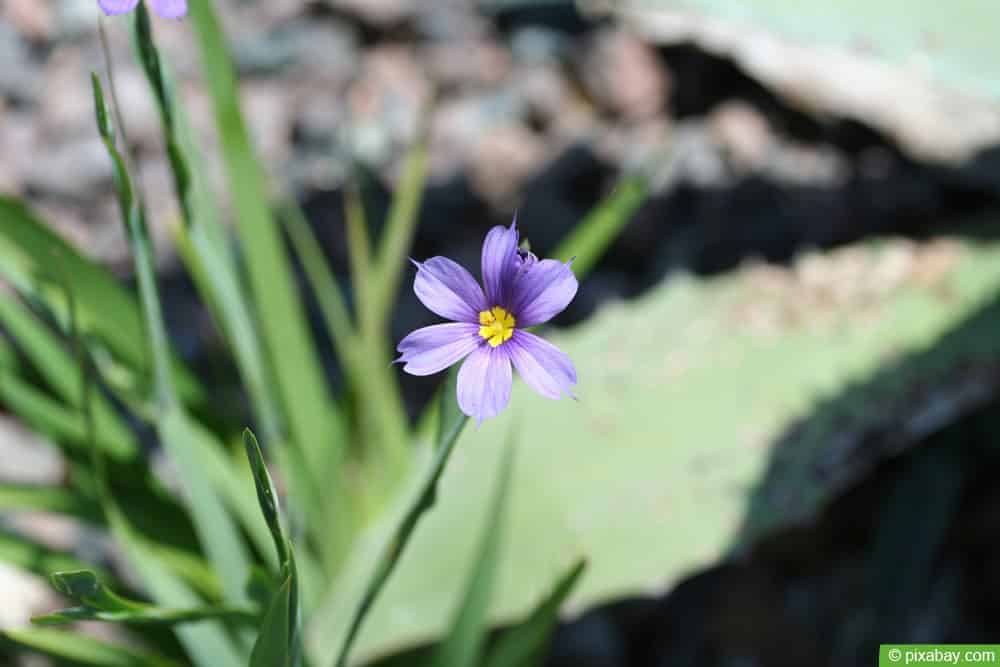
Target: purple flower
(490, 327)
(168, 9)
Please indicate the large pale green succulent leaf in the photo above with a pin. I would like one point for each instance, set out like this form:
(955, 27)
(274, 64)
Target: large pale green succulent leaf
(681, 394)
(950, 39)
(924, 73)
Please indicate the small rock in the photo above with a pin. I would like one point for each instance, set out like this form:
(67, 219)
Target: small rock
(32, 595)
(19, 76)
(743, 133)
(25, 457)
(503, 160)
(31, 18)
(75, 18)
(329, 44)
(467, 63)
(624, 75)
(386, 102)
(269, 116)
(379, 13)
(76, 169)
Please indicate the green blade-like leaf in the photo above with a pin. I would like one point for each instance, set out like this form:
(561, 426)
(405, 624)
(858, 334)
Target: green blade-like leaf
(400, 227)
(81, 650)
(324, 283)
(273, 647)
(216, 531)
(313, 418)
(203, 246)
(99, 603)
(524, 644)
(29, 250)
(23, 552)
(393, 548)
(41, 498)
(278, 641)
(266, 494)
(463, 645)
(207, 643)
(46, 415)
(60, 369)
(178, 434)
(589, 240)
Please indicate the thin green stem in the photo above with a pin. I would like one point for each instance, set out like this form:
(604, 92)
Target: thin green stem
(393, 549)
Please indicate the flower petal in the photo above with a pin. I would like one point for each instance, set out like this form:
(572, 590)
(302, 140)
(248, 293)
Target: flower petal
(499, 263)
(170, 9)
(544, 367)
(112, 7)
(447, 289)
(542, 292)
(484, 383)
(432, 349)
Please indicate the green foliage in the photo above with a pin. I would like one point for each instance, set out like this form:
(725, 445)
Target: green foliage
(524, 644)
(462, 645)
(313, 419)
(99, 603)
(587, 243)
(77, 649)
(643, 463)
(393, 544)
(278, 640)
(36, 261)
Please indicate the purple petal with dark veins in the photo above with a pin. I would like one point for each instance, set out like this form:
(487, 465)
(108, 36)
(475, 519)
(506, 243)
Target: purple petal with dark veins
(112, 7)
(543, 366)
(542, 292)
(500, 261)
(447, 289)
(432, 349)
(484, 383)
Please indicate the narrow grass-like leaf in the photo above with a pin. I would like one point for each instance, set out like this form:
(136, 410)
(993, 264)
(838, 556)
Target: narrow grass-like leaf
(57, 366)
(22, 552)
(325, 285)
(390, 553)
(48, 416)
(463, 645)
(206, 643)
(43, 498)
(400, 227)
(77, 649)
(203, 244)
(381, 413)
(99, 603)
(107, 311)
(524, 644)
(216, 531)
(313, 420)
(273, 644)
(278, 640)
(267, 497)
(589, 240)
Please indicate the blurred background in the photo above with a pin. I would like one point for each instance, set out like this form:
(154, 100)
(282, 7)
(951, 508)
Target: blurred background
(789, 356)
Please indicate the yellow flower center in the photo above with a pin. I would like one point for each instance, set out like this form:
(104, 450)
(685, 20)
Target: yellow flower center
(498, 325)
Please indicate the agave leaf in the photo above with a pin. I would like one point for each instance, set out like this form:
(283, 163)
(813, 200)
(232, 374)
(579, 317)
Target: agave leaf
(463, 644)
(650, 473)
(524, 644)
